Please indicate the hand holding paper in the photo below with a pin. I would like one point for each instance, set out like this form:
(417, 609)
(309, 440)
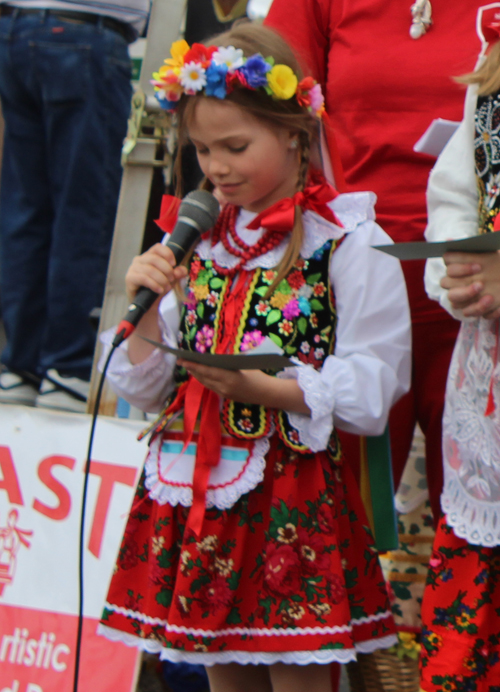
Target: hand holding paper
(473, 283)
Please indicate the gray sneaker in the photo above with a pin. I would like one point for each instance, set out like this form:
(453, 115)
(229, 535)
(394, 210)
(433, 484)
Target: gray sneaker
(16, 390)
(63, 393)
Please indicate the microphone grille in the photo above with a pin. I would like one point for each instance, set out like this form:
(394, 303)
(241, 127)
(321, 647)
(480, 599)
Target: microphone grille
(202, 207)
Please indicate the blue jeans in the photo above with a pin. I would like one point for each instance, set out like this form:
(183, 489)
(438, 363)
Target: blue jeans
(65, 91)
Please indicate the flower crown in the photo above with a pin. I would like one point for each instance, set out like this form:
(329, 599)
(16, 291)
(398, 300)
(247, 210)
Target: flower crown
(217, 71)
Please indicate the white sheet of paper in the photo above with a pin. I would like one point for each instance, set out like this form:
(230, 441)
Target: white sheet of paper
(436, 137)
(251, 360)
(486, 242)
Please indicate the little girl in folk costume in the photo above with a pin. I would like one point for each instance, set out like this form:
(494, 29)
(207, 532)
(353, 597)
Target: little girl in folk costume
(461, 604)
(247, 542)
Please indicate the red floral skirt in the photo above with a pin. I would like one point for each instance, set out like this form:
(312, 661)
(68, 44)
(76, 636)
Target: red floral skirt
(289, 573)
(461, 617)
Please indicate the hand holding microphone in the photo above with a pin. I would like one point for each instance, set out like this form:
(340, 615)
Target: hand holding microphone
(198, 212)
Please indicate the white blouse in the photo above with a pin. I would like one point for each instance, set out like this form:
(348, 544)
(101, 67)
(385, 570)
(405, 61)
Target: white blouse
(471, 429)
(370, 369)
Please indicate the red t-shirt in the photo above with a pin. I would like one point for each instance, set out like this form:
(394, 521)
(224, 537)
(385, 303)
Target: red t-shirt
(383, 89)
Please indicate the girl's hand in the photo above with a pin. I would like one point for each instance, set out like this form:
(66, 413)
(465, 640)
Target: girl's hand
(473, 283)
(250, 387)
(154, 269)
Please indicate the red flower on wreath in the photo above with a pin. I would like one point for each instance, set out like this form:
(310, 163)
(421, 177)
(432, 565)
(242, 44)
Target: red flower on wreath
(282, 569)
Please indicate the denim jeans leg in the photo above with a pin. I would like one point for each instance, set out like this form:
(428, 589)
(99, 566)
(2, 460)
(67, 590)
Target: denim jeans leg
(81, 78)
(26, 217)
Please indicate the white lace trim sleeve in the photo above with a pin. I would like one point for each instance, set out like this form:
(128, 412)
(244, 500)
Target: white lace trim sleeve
(314, 430)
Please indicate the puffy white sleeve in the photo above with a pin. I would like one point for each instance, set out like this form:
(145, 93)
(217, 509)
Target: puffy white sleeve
(145, 385)
(370, 369)
(452, 200)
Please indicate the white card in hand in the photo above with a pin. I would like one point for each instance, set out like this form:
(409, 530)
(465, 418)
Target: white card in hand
(436, 137)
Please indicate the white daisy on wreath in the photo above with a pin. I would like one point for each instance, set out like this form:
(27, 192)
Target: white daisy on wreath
(193, 77)
(230, 56)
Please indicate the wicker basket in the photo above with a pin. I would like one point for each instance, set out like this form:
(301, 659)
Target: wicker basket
(383, 671)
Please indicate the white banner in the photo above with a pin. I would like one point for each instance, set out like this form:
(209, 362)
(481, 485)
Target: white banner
(42, 459)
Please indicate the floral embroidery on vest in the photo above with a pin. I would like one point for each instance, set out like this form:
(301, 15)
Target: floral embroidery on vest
(299, 316)
(487, 159)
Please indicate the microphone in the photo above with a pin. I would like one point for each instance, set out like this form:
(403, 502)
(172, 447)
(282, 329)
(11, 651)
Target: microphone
(198, 212)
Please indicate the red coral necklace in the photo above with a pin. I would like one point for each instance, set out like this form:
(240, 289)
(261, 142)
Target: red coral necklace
(226, 226)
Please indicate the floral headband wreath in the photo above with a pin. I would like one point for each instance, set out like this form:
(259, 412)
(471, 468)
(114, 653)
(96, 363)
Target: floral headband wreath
(216, 71)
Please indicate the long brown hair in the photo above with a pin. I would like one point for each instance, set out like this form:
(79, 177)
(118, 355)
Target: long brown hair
(487, 76)
(251, 39)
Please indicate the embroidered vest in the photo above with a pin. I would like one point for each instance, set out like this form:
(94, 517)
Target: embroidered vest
(487, 159)
(299, 316)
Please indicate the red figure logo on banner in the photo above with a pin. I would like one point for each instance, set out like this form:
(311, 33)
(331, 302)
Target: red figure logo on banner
(11, 539)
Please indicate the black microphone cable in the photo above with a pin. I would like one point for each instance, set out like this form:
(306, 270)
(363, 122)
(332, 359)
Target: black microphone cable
(95, 411)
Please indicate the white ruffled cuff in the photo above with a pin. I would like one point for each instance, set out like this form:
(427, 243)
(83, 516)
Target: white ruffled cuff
(145, 385)
(314, 430)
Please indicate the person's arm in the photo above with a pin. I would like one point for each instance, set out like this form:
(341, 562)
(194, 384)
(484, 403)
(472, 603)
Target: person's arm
(452, 201)
(138, 372)
(371, 367)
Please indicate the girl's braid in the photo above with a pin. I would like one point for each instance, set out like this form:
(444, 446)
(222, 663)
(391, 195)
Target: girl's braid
(305, 154)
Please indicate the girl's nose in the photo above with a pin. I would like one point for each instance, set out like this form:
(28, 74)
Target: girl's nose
(218, 167)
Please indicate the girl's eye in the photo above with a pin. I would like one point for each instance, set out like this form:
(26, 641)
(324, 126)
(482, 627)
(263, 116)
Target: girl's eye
(201, 152)
(238, 150)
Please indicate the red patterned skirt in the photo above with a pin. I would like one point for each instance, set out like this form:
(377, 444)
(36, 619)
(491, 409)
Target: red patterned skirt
(289, 573)
(461, 617)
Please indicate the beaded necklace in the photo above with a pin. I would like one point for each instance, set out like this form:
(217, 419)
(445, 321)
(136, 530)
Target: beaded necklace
(226, 226)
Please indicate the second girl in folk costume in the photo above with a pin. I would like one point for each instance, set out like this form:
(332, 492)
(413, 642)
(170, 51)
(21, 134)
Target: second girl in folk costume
(272, 562)
(461, 605)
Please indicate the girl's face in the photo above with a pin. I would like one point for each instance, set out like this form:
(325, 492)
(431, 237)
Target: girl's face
(252, 163)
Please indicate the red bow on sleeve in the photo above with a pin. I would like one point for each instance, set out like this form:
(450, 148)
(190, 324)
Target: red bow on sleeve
(169, 212)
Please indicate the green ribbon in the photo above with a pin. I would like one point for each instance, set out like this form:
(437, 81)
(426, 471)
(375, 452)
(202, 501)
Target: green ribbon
(378, 451)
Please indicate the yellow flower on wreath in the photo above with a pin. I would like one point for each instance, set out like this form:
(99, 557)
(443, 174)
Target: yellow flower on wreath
(282, 82)
(177, 51)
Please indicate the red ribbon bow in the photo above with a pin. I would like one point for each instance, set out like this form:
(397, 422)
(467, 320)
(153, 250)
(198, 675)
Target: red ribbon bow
(280, 217)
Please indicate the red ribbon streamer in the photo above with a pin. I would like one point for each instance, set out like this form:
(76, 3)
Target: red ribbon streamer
(193, 396)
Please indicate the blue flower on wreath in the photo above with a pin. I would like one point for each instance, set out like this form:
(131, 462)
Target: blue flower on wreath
(165, 103)
(216, 81)
(255, 70)
(304, 305)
